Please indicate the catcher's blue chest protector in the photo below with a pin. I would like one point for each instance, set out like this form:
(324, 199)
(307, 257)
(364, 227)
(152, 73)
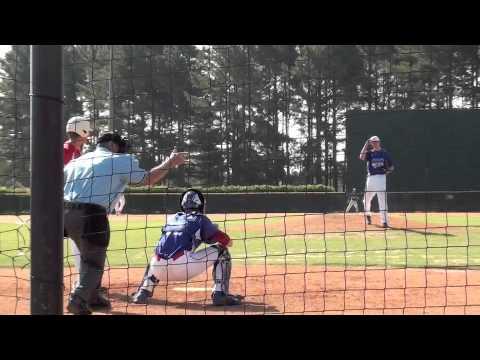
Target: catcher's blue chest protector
(183, 232)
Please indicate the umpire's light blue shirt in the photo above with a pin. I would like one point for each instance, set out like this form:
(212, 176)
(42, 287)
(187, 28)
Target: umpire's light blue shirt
(100, 176)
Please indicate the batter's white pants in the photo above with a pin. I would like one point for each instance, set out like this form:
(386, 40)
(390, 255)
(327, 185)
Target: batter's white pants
(76, 259)
(184, 268)
(376, 185)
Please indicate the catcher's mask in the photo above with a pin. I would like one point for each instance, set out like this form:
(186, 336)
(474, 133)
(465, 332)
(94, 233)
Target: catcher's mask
(192, 200)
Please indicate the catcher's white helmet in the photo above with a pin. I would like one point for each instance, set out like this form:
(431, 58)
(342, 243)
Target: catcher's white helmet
(79, 125)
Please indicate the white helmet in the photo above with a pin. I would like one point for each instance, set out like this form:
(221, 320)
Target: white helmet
(79, 125)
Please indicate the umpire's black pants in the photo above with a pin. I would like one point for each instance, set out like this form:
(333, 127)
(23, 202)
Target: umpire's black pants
(87, 225)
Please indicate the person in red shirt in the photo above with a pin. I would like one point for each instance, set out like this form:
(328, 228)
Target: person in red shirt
(78, 131)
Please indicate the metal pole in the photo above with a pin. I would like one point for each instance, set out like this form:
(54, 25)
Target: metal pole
(111, 99)
(46, 114)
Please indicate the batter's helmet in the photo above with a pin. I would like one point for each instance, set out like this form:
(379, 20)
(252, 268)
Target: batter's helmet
(192, 200)
(79, 125)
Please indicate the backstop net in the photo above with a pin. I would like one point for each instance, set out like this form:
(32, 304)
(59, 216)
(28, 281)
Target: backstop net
(273, 134)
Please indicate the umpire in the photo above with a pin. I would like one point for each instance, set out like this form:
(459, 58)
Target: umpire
(92, 182)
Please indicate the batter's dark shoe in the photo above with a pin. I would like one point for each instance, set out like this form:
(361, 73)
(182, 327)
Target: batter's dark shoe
(369, 220)
(141, 296)
(100, 301)
(78, 306)
(385, 225)
(219, 298)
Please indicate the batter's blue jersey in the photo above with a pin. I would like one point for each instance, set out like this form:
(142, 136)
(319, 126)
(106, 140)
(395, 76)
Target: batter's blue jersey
(184, 232)
(378, 162)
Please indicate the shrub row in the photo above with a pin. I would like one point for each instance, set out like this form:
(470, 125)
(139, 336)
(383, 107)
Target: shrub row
(236, 189)
(211, 189)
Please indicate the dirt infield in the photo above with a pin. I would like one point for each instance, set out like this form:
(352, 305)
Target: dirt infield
(308, 224)
(283, 290)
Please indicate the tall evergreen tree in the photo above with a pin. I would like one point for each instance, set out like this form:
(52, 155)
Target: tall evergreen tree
(249, 114)
(15, 117)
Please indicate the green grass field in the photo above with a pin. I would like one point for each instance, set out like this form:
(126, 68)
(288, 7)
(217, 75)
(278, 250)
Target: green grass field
(259, 241)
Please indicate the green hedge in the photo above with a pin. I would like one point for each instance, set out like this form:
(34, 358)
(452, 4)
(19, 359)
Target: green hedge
(10, 190)
(235, 189)
(212, 189)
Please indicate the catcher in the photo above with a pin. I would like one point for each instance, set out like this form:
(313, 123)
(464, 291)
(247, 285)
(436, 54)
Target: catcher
(176, 257)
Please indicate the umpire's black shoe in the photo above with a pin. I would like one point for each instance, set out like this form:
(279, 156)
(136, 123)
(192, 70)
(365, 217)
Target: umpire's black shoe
(100, 300)
(385, 225)
(219, 298)
(369, 220)
(78, 306)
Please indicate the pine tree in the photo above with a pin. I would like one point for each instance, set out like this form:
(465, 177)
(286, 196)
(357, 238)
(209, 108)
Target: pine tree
(15, 117)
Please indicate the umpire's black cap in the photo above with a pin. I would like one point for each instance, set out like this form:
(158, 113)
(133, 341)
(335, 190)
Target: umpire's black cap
(116, 139)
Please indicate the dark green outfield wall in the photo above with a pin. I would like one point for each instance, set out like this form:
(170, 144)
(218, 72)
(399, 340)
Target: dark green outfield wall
(276, 202)
(434, 150)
